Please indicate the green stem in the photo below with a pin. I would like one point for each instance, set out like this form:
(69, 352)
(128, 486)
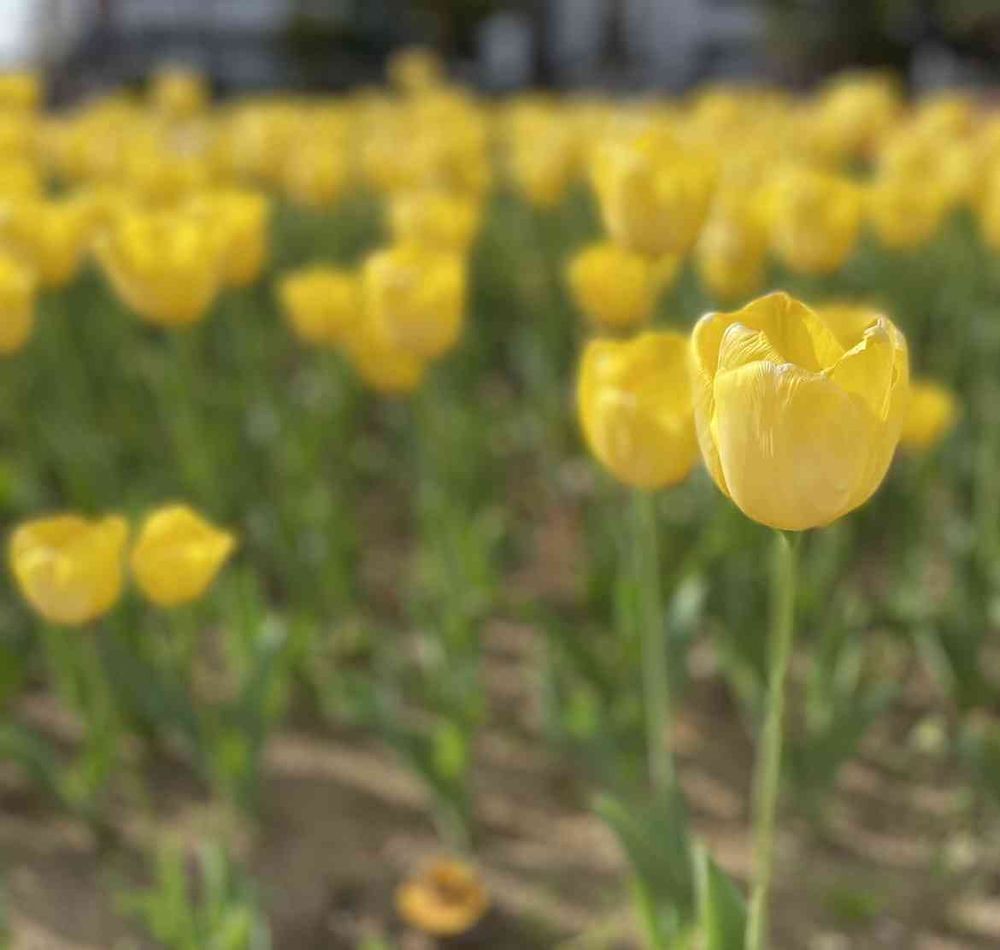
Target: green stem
(767, 777)
(655, 676)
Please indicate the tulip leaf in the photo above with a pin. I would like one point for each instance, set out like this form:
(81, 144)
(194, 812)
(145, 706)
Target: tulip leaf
(721, 907)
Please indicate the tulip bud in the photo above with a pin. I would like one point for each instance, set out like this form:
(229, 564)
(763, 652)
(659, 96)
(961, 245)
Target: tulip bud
(794, 426)
(732, 250)
(17, 304)
(416, 299)
(177, 555)
(435, 220)
(613, 287)
(905, 213)
(322, 304)
(51, 235)
(930, 415)
(69, 568)
(634, 404)
(383, 366)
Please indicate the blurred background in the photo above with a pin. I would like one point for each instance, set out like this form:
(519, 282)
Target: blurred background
(499, 45)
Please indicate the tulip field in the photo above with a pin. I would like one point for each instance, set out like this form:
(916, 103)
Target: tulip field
(537, 522)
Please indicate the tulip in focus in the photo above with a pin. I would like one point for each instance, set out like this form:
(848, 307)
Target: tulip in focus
(930, 415)
(17, 304)
(322, 304)
(165, 265)
(177, 555)
(815, 220)
(795, 426)
(634, 405)
(416, 298)
(69, 568)
(445, 900)
(613, 287)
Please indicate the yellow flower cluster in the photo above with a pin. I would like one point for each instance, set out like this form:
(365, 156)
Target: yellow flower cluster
(71, 569)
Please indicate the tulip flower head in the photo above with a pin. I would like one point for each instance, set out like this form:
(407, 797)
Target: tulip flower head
(634, 405)
(69, 568)
(612, 286)
(815, 220)
(905, 213)
(731, 253)
(179, 93)
(17, 304)
(51, 234)
(242, 218)
(653, 193)
(177, 555)
(795, 426)
(930, 415)
(416, 298)
(434, 219)
(322, 304)
(165, 265)
(385, 367)
(445, 900)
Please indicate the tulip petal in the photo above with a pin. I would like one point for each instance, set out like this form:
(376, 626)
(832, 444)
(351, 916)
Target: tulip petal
(788, 444)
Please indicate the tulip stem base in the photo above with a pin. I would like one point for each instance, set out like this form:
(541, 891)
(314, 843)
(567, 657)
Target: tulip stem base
(655, 675)
(767, 776)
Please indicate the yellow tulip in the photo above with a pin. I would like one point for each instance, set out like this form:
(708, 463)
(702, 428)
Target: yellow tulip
(905, 213)
(316, 173)
(179, 93)
(435, 220)
(322, 304)
(847, 319)
(384, 367)
(860, 107)
(794, 426)
(69, 568)
(177, 555)
(165, 265)
(416, 298)
(653, 194)
(634, 405)
(731, 253)
(930, 415)
(17, 304)
(242, 218)
(612, 286)
(51, 234)
(815, 220)
(19, 179)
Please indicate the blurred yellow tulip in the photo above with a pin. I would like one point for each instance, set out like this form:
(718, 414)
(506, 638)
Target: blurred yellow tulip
(165, 265)
(653, 193)
(322, 304)
(178, 93)
(177, 555)
(416, 298)
(242, 218)
(731, 253)
(794, 426)
(613, 287)
(52, 234)
(634, 405)
(815, 217)
(859, 108)
(905, 213)
(416, 69)
(315, 173)
(436, 220)
(17, 304)
(930, 415)
(19, 178)
(386, 368)
(69, 568)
